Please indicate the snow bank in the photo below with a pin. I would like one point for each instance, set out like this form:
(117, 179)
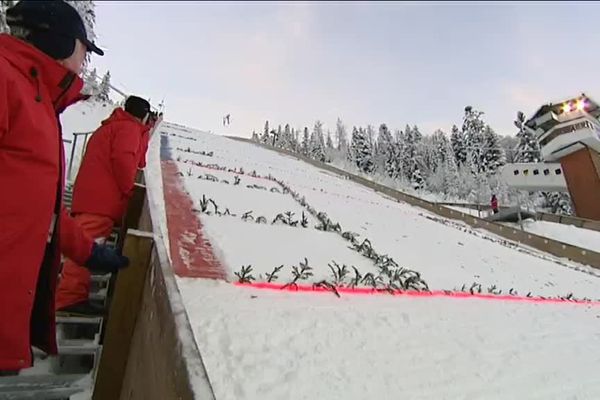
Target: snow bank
(270, 345)
(585, 238)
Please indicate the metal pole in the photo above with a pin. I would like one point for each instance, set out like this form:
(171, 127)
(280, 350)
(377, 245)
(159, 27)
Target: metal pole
(519, 210)
(71, 156)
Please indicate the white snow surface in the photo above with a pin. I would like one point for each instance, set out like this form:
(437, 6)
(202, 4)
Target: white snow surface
(273, 345)
(585, 238)
(259, 344)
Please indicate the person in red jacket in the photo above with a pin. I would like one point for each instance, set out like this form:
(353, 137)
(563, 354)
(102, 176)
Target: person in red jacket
(39, 64)
(102, 189)
(494, 203)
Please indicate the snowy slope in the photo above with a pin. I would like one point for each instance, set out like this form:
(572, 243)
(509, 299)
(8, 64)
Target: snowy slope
(445, 255)
(270, 345)
(259, 344)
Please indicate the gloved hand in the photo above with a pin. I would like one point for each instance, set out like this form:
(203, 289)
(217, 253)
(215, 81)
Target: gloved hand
(106, 259)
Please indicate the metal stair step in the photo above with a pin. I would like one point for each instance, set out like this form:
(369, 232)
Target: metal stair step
(71, 349)
(79, 320)
(100, 278)
(41, 387)
(98, 296)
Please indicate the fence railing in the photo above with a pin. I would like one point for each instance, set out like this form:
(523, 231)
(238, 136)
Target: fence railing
(541, 216)
(78, 137)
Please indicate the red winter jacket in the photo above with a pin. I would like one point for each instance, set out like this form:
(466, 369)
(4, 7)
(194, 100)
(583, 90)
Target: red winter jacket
(34, 89)
(106, 176)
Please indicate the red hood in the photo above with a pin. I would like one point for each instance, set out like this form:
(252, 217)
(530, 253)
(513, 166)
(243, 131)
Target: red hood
(120, 115)
(62, 85)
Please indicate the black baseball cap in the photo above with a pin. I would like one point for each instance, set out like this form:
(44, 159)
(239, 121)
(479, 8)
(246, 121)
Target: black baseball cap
(56, 17)
(137, 107)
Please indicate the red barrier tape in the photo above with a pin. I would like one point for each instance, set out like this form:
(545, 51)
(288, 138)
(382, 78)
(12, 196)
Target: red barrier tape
(435, 293)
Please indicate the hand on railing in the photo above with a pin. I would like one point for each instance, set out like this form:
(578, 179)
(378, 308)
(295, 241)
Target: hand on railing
(106, 259)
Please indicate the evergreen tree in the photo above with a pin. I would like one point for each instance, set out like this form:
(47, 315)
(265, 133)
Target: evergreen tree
(4, 5)
(288, 140)
(400, 145)
(104, 90)
(255, 137)
(559, 203)
(370, 132)
(295, 140)
(387, 152)
(411, 158)
(272, 137)
(473, 129)
(305, 142)
(443, 147)
(449, 170)
(361, 150)
(459, 147)
(265, 136)
(341, 137)
(317, 143)
(494, 156)
(93, 77)
(279, 139)
(528, 148)
(329, 142)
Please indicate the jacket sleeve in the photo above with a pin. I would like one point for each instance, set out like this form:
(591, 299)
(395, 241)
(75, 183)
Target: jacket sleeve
(144, 147)
(74, 243)
(125, 146)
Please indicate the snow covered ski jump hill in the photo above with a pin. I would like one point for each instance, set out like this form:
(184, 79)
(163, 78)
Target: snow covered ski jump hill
(300, 284)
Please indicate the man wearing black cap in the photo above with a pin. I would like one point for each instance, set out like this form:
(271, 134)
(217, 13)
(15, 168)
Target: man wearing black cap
(39, 64)
(103, 187)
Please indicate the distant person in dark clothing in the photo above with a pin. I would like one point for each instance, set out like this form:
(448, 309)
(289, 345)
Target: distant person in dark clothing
(494, 204)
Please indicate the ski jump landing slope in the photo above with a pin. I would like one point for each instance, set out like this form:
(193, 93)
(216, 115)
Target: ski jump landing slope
(236, 211)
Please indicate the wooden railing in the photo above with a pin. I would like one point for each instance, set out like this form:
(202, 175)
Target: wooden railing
(149, 351)
(542, 216)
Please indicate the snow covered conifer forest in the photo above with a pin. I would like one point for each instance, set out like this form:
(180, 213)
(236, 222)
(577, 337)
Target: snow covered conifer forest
(462, 165)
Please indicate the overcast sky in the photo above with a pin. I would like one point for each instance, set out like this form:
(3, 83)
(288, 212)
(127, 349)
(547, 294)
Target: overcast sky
(398, 63)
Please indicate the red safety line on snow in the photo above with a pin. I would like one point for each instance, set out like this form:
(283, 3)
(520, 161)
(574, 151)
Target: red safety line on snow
(191, 253)
(435, 293)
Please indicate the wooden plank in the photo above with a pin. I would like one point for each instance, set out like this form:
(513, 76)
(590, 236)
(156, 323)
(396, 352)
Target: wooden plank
(124, 310)
(134, 212)
(165, 368)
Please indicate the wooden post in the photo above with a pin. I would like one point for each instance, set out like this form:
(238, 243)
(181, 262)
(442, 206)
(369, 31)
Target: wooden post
(134, 212)
(124, 308)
